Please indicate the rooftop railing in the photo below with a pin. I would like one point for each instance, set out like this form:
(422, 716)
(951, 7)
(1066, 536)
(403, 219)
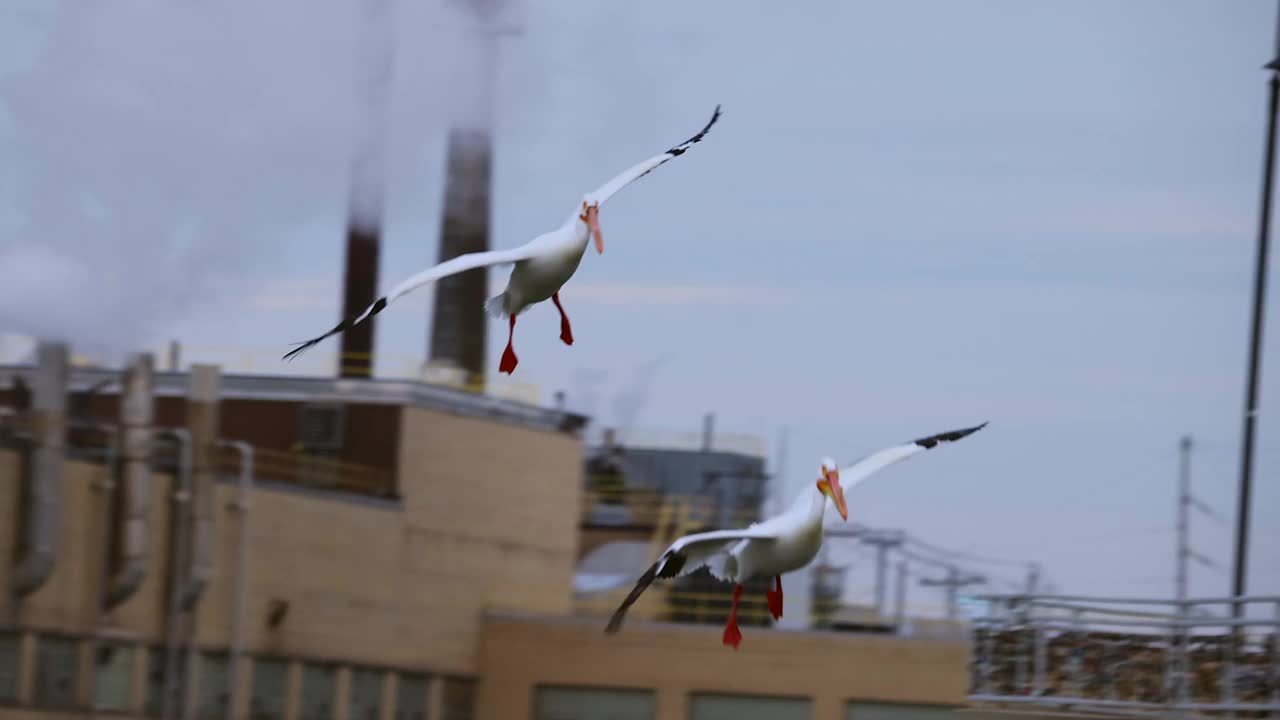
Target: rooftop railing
(642, 507)
(1140, 656)
(651, 438)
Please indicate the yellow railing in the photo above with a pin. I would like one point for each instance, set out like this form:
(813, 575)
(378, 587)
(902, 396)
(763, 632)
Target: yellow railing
(298, 468)
(641, 437)
(291, 467)
(704, 607)
(645, 507)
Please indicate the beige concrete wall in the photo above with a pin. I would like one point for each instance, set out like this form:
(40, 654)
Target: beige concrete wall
(494, 511)
(519, 654)
(65, 601)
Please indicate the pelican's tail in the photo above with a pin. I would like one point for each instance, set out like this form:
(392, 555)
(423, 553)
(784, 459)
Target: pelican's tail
(497, 305)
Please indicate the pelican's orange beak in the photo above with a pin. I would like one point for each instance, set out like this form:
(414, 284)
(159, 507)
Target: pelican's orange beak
(593, 223)
(831, 486)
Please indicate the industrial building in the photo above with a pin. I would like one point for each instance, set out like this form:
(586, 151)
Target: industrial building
(193, 545)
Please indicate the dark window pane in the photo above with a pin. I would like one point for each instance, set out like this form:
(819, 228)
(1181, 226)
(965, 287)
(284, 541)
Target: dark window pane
(155, 680)
(585, 703)
(112, 677)
(57, 660)
(318, 685)
(366, 694)
(10, 647)
(214, 691)
(411, 697)
(270, 684)
(457, 699)
(748, 707)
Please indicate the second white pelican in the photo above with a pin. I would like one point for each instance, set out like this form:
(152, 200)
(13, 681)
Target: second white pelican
(775, 546)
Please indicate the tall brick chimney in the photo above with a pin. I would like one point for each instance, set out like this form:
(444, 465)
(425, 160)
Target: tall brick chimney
(458, 321)
(458, 325)
(359, 289)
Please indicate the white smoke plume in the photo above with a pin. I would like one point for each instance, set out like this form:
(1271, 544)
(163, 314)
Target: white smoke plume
(156, 152)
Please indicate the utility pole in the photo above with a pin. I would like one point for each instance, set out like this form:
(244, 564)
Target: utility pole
(882, 540)
(1255, 340)
(1033, 579)
(1184, 511)
(1178, 670)
(1186, 501)
(952, 583)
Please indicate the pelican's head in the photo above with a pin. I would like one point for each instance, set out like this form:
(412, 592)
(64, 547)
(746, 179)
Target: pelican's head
(591, 216)
(829, 485)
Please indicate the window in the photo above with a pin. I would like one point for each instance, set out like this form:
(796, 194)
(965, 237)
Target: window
(457, 699)
(896, 711)
(318, 685)
(215, 692)
(748, 707)
(270, 685)
(57, 660)
(581, 703)
(411, 697)
(155, 680)
(112, 677)
(10, 654)
(366, 694)
(156, 660)
(320, 431)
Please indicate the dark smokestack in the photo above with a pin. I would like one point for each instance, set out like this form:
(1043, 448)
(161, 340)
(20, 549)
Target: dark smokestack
(364, 225)
(458, 322)
(360, 285)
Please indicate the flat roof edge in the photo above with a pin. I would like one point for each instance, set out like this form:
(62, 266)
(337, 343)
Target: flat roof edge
(328, 389)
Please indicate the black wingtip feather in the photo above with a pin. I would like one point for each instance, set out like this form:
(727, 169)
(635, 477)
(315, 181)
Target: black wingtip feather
(343, 326)
(679, 149)
(615, 622)
(949, 436)
(303, 346)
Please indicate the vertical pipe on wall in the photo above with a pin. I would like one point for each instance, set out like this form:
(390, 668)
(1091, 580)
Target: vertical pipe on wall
(48, 430)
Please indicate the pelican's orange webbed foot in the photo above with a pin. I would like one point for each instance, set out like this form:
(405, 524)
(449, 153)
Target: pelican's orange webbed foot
(509, 359)
(732, 635)
(775, 599)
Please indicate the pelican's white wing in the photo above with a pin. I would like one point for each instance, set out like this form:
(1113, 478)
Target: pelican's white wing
(869, 465)
(686, 555)
(639, 170)
(470, 261)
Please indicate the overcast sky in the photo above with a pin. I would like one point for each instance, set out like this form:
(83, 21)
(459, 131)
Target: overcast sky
(913, 216)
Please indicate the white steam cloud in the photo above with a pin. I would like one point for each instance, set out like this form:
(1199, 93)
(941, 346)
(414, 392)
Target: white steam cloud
(155, 153)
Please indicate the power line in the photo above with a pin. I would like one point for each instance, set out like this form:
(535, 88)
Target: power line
(952, 584)
(933, 562)
(960, 555)
(920, 552)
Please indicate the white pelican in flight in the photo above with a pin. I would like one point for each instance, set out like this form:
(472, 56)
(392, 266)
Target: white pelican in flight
(775, 546)
(542, 266)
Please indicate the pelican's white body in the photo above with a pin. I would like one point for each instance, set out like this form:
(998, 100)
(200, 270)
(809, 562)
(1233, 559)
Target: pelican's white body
(554, 259)
(794, 540)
